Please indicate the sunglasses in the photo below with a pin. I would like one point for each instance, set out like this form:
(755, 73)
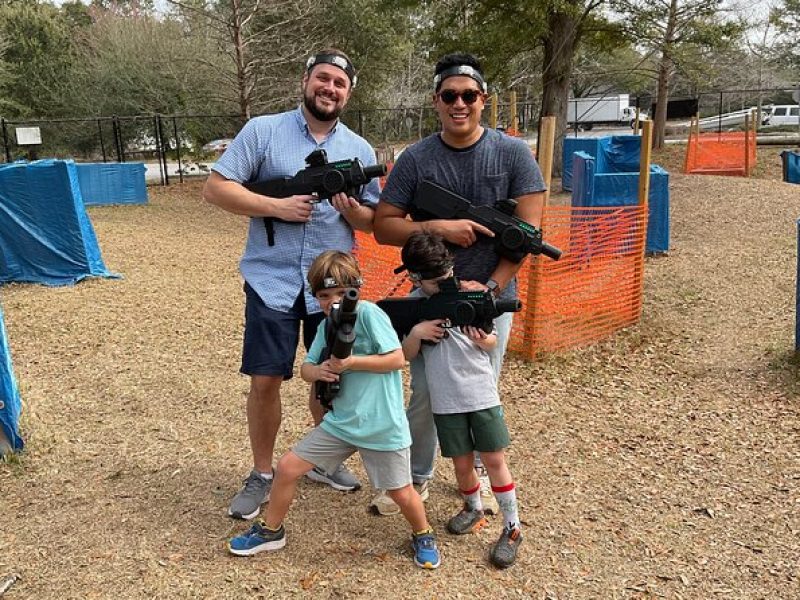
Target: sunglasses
(468, 96)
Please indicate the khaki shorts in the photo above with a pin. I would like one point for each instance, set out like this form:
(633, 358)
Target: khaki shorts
(462, 433)
(386, 469)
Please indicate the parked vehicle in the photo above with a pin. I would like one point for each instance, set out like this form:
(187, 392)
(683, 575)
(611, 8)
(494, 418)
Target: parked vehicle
(585, 113)
(780, 114)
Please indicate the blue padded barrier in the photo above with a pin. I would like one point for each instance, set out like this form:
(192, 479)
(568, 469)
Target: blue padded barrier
(10, 405)
(614, 154)
(112, 183)
(593, 188)
(45, 234)
(791, 166)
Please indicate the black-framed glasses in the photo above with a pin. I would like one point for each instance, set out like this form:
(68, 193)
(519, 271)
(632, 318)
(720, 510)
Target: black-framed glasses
(468, 96)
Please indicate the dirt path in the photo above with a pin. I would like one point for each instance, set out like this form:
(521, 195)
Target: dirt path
(661, 463)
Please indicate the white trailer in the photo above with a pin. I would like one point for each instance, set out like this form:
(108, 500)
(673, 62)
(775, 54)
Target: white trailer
(587, 112)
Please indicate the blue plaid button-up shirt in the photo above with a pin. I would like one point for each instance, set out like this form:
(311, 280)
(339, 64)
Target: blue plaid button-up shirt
(276, 146)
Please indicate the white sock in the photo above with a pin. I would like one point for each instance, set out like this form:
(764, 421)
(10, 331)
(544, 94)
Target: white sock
(266, 476)
(472, 498)
(507, 499)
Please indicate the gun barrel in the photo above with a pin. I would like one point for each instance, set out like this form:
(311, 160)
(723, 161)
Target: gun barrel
(551, 251)
(375, 171)
(504, 306)
(349, 300)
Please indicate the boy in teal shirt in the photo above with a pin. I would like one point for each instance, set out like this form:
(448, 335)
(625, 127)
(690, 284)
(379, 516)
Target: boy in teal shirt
(368, 417)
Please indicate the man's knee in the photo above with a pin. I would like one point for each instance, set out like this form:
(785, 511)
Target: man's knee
(265, 388)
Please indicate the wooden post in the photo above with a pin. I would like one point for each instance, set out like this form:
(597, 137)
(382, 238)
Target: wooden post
(689, 145)
(547, 137)
(644, 192)
(637, 124)
(755, 139)
(747, 145)
(512, 118)
(493, 111)
(644, 162)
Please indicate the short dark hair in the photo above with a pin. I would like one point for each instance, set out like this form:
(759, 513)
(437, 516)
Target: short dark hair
(450, 62)
(427, 254)
(457, 59)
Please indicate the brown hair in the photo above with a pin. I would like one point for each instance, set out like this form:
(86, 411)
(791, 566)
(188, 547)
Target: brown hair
(333, 264)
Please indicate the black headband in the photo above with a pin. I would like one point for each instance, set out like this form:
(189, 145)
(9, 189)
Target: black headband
(337, 61)
(433, 272)
(464, 70)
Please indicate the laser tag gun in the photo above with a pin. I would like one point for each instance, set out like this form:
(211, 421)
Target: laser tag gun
(514, 238)
(458, 308)
(339, 338)
(320, 177)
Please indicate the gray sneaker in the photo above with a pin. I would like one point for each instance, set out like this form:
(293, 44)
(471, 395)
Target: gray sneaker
(466, 521)
(341, 479)
(504, 553)
(255, 492)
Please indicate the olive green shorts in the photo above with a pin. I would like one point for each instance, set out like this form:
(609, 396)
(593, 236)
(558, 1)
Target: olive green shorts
(461, 433)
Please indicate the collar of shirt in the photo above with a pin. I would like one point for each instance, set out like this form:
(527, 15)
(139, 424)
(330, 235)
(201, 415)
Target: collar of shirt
(302, 122)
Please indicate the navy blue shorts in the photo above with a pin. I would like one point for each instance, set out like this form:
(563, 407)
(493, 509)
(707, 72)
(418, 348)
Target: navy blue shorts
(271, 336)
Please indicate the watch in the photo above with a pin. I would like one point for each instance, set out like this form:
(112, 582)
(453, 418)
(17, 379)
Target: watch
(494, 287)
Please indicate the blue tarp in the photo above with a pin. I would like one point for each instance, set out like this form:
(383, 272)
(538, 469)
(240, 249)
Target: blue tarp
(112, 183)
(10, 405)
(614, 154)
(791, 166)
(594, 188)
(45, 235)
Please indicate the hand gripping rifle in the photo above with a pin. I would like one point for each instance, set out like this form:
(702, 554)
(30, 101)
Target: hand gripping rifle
(320, 177)
(458, 308)
(339, 338)
(514, 238)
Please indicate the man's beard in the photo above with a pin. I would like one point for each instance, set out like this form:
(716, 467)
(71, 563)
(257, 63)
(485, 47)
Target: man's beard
(311, 106)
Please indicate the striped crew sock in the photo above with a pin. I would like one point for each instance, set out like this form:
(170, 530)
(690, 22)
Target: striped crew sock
(507, 499)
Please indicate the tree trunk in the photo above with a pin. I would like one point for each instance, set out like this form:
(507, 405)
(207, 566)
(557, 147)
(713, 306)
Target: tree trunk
(662, 98)
(664, 76)
(559, 50)
(239, 58)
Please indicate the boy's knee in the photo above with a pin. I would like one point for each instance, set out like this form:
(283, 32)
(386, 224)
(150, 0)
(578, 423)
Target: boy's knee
(290, 466)
(402, 496)
(493, 460)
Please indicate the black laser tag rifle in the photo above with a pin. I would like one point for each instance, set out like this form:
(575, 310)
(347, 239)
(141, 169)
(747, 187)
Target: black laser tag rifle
(320, 177)
(514, 238)
(339, 338)
(458, 308)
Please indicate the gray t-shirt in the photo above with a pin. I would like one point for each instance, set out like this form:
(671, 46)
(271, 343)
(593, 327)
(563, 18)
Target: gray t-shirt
(460, 375)
(495, 168)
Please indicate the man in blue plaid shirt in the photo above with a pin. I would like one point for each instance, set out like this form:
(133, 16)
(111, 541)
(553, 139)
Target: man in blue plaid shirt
(277, 300)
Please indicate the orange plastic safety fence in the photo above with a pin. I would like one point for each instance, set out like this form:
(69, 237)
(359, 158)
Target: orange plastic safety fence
(721, 153)
(591, 292)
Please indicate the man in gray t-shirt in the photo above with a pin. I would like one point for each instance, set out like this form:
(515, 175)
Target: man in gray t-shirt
(483, 166)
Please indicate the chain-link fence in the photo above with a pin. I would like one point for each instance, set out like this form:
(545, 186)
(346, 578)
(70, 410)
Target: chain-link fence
(172, 146)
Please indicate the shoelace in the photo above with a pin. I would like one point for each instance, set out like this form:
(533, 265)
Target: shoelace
(253, 482)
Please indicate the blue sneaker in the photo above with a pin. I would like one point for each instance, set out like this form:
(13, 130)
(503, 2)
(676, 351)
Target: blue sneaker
(257, 539)
(426, 554)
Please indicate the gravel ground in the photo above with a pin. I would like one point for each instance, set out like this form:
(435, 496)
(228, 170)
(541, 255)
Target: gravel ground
(660, 463)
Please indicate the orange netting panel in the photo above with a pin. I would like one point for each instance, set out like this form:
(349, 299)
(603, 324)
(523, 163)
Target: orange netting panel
(727, 153)
(591, 292)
